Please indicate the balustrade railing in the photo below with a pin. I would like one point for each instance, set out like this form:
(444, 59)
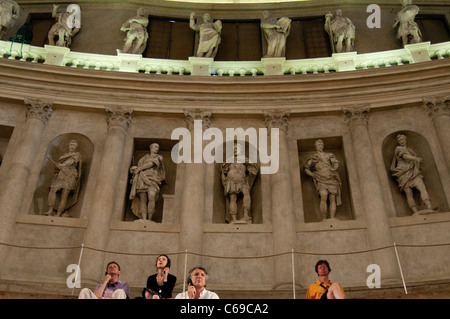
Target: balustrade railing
(339, 62)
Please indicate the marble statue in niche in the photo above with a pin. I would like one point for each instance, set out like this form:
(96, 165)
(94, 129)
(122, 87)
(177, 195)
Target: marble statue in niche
(67, 25)
(237, 179)
(323, 168)
(9, 12)
(341, 31)
(137, 35)
(405, 167)
(66, 180)
(146, 179)
(408, 30)
(275, 33)
(209, 35)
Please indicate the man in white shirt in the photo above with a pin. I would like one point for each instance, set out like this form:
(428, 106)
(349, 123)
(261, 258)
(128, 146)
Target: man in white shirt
(196, 286)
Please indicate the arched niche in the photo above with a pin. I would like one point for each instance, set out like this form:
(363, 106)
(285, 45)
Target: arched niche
(220, 213)
(311, 200)
(167, 187)
(57, 148)
(5, 135)
(430, 174)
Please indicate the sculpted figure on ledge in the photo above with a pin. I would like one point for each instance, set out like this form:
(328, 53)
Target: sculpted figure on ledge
(137, 35)
(66, 180)
(9, 12)
(209, 35)
(275, 32)
(237, 179)
(67, 25)
(341, 31)
(408, 30)
(405, 167)
(322, 167)
(146, 179)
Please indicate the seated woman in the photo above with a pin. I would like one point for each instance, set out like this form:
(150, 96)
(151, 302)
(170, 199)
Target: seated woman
(162, 282)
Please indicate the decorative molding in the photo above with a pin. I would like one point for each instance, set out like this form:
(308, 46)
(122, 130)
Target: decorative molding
(279, 119)
(356, 115)
(437, 105)
(119, 117)
(225, 95)
(38, 109)
(197, 114)
(136, 63)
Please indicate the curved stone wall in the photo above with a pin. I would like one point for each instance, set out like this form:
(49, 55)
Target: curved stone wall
(115, 116)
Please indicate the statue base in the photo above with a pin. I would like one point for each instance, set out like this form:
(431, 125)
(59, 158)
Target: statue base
(241, 221)
(427, 211)
(140, 220)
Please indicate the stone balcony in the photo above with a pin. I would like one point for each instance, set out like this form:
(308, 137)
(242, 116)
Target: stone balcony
(339, 62)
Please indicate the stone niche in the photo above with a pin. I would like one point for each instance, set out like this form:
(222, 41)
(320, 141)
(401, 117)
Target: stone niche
(56, 148)
(310, 197)
(220, 208)
(431, 177)
(5, 135)
(167, 188)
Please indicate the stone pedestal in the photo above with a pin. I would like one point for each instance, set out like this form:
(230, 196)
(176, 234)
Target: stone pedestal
(273, 66)
(419, 51)
(55, 55)
(128, 62)
(345, 61)
(201, 66)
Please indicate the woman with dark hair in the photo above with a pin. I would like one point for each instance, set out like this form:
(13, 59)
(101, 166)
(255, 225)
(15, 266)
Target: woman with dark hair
(162, 282)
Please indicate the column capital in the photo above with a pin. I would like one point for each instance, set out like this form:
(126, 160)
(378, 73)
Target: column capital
(356, 115)
(197, 114)
(38, 109)
(117, 116)
(437, 105)
(278, 119)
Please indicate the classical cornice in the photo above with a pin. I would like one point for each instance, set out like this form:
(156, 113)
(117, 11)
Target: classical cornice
(78, 88)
